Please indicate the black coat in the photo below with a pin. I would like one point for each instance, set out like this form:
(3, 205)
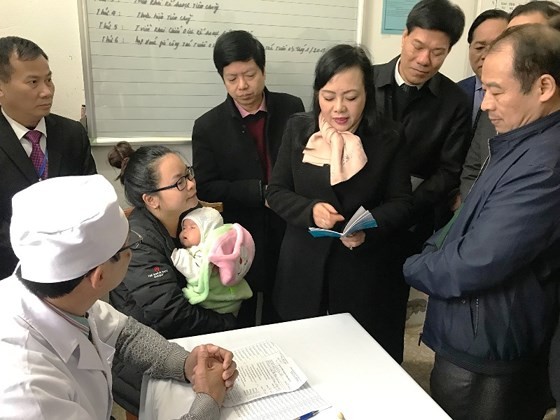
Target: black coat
(69, 153)
(437, 130)
(228, 169)
(314, 270)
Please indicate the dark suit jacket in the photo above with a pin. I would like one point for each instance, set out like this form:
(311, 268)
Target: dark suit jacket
(437, 131)
(482, 130)
(228, 169)
(468, 86)
(69, 154)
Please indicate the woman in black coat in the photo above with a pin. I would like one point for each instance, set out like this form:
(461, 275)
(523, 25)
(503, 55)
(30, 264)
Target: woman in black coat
(161, 188)
(322, 176)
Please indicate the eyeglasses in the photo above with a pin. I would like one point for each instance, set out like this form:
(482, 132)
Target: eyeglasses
(181, 182)
(133, 241)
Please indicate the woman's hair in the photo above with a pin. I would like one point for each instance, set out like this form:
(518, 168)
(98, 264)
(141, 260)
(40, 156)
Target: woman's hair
(139, 169)
(337, 59)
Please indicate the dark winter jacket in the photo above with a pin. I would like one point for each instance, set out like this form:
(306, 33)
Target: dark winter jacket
(492, 303)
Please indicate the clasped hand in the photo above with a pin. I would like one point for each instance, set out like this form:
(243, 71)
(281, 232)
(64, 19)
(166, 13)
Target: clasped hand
(211, 370)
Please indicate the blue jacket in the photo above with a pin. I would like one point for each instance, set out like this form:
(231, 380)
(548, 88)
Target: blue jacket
(491, 308)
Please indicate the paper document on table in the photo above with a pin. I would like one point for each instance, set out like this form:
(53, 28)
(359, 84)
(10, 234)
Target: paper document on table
(289, 405)
(263, 370)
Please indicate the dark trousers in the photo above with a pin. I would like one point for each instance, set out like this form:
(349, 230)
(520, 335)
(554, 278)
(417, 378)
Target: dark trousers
(522, 395)
(373, 292)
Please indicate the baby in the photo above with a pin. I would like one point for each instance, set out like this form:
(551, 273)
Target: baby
(214, 260)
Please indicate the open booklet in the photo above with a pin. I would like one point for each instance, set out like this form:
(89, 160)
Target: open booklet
(361, 220)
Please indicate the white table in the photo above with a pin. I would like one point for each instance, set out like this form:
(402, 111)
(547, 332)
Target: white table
(340, 359)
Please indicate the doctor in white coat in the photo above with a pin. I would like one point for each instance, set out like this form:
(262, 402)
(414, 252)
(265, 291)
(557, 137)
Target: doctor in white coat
(57, 340)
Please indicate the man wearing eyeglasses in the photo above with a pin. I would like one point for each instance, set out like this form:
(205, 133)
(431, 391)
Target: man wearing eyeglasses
(58, 341)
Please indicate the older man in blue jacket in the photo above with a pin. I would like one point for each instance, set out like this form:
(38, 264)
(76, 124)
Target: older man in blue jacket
(492, 307)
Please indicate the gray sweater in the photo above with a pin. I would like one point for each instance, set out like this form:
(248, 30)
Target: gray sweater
(148, 351)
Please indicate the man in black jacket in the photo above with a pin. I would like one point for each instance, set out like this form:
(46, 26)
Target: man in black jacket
(235, 146)
(432, 109)
(435, 117)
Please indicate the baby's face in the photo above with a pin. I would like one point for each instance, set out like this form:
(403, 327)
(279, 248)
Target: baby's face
(190, 235)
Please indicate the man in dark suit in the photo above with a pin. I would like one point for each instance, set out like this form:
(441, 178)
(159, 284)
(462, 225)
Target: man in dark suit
(484, 30)
(235, 146)
(34, 144)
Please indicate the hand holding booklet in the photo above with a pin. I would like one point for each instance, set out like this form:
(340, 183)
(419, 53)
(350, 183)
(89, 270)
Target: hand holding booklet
(361, 220)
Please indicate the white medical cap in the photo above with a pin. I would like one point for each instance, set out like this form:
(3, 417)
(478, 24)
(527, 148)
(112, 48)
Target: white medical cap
(63, 227)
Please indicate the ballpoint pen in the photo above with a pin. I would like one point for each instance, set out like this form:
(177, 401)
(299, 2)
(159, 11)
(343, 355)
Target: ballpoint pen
(308, 415)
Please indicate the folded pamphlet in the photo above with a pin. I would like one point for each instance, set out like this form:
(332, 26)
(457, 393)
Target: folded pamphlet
(361, 220)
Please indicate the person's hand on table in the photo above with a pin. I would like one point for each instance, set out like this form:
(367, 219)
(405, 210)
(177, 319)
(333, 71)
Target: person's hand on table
(208, 376)
(222, 356)
(325, 215)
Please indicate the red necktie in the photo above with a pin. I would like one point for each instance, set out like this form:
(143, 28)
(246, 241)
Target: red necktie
(37, 156)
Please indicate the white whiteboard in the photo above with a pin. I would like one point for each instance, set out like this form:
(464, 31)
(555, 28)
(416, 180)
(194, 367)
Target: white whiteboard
(148, 66)
(507, 5)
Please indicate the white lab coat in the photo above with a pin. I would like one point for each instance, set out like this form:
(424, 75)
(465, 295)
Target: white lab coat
(48, 368)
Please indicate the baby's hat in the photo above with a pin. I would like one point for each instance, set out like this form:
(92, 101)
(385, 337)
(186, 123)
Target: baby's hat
(206, 218)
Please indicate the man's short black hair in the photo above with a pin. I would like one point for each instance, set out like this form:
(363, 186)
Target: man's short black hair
(51, 290)
(536, 49)
(554, 22)
(24, 49)
(483, 17)
(437, 15)
(547, 8)
(237, 46)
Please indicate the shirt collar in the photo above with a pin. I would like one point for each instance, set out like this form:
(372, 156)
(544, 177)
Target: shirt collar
(244, 113)
(506, 141)
(477, 83)
(399, 79)
(21, 130)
